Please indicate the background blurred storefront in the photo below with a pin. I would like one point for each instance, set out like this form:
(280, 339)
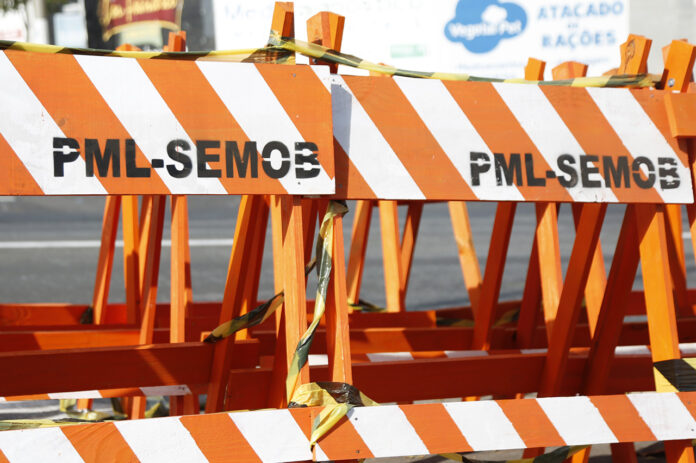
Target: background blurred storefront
(147, 23)
(480, 37)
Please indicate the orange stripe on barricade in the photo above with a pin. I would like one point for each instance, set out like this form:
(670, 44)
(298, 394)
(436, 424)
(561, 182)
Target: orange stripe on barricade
(623, 419)
(348, 177)
(219, 440)
(529, 411)
(436, 428)
(99, 442)
(343, 438)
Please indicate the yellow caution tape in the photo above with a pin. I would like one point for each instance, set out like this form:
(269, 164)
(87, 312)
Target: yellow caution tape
(10, 425)
(281, 50)
(250, 55)
(336, 398)
(253, 317)
(67, 406)
(322, 53)
(678, 375)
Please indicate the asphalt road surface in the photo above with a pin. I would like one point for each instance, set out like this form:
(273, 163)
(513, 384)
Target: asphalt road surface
(49, 248)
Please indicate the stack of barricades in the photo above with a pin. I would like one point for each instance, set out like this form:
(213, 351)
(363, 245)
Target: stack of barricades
(296, 142)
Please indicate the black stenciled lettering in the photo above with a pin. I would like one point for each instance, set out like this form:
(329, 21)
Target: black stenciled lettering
(669, 176)
(570, 177)
(614, 173)
(302, 159)
(588, 168)
(511, 171)
(478, 168)
(111, 155)
(248, 160)
(268, 168)
(638, 178)
(132, 170)
(203, 158)
(62, 156)
(529, 168)
(176, 150)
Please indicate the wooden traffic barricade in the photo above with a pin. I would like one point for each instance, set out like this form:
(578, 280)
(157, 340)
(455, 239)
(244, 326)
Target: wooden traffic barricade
(370, 432)
(203, 127)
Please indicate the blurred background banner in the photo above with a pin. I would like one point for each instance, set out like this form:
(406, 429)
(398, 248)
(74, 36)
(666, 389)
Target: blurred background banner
(123, 15)
(482, 37)
(12, 26)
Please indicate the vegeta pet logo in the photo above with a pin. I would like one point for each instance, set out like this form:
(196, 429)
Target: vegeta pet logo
(481, 24)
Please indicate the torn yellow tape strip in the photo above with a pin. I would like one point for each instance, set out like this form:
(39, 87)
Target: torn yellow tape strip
(337, 400)
(67, 406)
(249, 319)
(10, 425)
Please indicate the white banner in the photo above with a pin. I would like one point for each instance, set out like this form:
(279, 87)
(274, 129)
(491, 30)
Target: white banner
(12, 26)
(481, 37)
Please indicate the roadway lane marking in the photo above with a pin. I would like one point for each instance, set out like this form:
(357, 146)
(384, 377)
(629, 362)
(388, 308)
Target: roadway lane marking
(67, 244)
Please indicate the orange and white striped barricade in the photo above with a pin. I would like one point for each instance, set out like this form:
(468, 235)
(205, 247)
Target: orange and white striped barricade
(505, 120)
(109, 139)
(367, 432)
(501, 121)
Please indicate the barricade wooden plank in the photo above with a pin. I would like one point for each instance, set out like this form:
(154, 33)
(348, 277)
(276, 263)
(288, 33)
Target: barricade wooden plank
(112, 367)
(123, 125)
(438, 378)
(380, 431)
(54, 314)
(175, 390)
(363, 340)
(687, 350)
(487, 142)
